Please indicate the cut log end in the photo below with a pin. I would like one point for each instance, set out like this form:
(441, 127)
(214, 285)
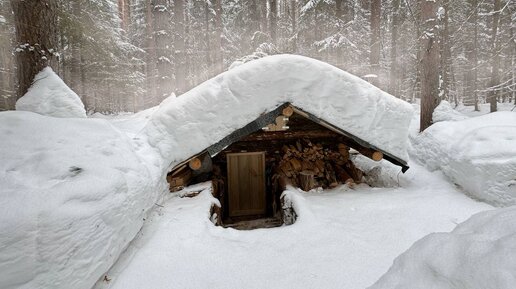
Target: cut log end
(288, 111)
(377, 156)
(195, 164)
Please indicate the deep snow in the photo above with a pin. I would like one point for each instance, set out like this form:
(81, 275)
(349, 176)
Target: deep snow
(49, 95)
(343, 239)
(73, 194)
(477, 254)
(477, 153)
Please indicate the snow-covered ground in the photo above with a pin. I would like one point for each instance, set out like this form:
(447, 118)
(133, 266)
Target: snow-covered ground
(484, 108)
(343, 238)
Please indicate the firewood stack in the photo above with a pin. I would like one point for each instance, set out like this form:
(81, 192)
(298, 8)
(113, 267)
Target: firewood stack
(307, 165)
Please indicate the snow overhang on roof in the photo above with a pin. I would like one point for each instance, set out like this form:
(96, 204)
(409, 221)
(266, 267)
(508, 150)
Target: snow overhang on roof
(211, 112)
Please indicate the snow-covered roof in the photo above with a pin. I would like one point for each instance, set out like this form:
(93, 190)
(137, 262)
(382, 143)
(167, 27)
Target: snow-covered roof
(187, 125)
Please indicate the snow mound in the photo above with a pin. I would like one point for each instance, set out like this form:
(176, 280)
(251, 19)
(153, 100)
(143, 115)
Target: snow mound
(70, 202)
(201, 117)
(445, 112)
(50, 96)
(479, 253)
(477, 153)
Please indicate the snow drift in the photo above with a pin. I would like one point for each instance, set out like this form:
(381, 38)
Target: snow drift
(478, 254)
(73, 194)
(206, 114)
(477, 153)
(445, 112)
(49, 95)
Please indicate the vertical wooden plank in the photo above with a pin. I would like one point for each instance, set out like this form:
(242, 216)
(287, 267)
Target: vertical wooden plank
(243, 165)
(233, 183)
(262, 194)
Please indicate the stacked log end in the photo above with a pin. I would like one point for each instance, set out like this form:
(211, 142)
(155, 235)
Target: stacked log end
(307, 165)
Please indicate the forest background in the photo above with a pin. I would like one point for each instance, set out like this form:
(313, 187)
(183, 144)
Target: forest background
(128, 55)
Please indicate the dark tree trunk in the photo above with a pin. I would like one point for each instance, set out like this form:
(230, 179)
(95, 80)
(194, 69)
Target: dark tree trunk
(429, 63)
(374, 58)
(495, 47)
(180, 47)
(36, 38)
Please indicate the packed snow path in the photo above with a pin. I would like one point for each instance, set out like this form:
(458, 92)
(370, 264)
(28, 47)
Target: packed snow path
(343, 239)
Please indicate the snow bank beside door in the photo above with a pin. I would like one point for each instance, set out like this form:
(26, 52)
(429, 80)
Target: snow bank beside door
(480, 253)
(479, 154)
(73, 194)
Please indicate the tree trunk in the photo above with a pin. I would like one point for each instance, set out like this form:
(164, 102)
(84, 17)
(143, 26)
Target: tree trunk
(76, 39)
(446, 61)
(273, 21)
(374, 58)
(394, 77)
(472, 56)
(293, 18)
(263, 15)
(207, 35)
(217, 41)
(7, 69)
(151, 58)
(162, 37)
(495, 52)
(255, 17)
(179, 43)
(429, 63)
(124, 11)
(338, 9)
(513, 64)
(36, 38)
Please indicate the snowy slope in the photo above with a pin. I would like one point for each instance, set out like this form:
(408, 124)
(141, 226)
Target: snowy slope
(478, 254)
(209, 112)
(342, 239)
(49, 95)
(477, 153)
(73, 194)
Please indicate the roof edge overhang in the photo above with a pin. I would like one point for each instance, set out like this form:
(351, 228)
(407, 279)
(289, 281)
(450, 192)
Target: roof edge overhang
(269, 117)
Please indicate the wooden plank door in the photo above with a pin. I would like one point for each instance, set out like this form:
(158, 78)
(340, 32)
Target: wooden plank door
(246, 184)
